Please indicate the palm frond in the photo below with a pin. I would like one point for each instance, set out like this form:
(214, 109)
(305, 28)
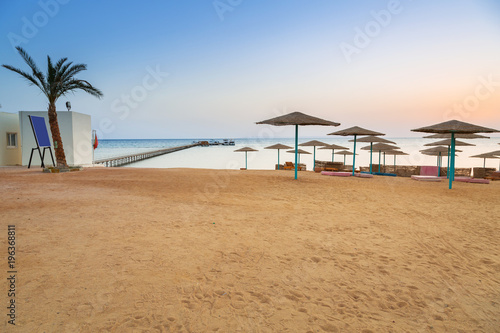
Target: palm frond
(31, 79)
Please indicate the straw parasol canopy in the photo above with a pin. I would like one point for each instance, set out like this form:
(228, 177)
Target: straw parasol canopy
(438, 149)
(299, 151)
(485, 156)
(371, 139)
(246, 150)
(447, 142)
(313, 143)
(346, 152)
(356, 130)
(457, 136)
(278, 146)
(297, 119)
(333, 147)
(453, 127)
(380, 147)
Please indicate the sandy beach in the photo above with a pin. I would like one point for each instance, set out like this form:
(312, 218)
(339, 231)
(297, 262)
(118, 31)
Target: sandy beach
(179, 250)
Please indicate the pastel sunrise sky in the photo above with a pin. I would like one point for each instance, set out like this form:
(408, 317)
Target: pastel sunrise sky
(211, 69)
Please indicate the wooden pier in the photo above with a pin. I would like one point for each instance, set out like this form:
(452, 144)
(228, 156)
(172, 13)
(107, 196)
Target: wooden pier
(123, 160)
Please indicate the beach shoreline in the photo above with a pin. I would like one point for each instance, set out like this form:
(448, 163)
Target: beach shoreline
(198, 250)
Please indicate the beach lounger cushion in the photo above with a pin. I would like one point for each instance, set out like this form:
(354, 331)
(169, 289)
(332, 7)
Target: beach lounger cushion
(426, 178)
(336, 173)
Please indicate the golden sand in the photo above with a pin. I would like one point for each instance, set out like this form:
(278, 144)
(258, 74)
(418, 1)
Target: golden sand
(178, 250)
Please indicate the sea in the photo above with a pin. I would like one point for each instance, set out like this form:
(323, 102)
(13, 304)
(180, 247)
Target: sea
(225, 157)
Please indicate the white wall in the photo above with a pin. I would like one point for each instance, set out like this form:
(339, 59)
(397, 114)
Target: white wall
(76, 136)
(9, 123)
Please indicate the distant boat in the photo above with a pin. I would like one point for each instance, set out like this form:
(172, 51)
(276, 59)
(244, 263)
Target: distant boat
(228, 142)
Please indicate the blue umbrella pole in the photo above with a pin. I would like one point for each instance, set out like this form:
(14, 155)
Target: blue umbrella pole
(246, 164)
(344, 160)
(371, 150)
(452, 157)
(279, 167)
(439, 165)
(314, 158)
(354, 156)
(333, 154)
(448, 170)
(296, 147)
(379, 160)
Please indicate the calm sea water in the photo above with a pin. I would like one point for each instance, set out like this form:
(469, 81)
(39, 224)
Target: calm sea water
(224, 157)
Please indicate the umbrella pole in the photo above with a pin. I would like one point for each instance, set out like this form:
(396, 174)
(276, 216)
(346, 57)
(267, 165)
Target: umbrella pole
(384, 161)
(394, 163)
(246, 164)
(371, 148)
(278, 159)
(448, 171)
(484, 163)
(439, 165)
(314, 158)
(379, 160)
(333, 154)
(296, 145)
(354, 156)
(344, 160)
(452, 157)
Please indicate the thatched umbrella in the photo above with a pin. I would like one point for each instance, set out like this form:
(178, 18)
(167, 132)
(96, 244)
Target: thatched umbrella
(355, 131)
(313, 143)
(333, 147)
(447, 142)
(454, 127)
(298, 151)
(297, 119)
(457, 136)
(380, 147)
(346, 152)
(395, 153)
(371, 139)
(485, 156)
(438, 151)
(278, 146)
(246, 150)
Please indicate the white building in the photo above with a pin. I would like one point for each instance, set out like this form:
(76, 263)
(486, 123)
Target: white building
(10, 148)
(76, 135)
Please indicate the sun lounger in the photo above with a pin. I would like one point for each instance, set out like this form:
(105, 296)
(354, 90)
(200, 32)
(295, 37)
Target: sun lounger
(426, 178)
(479, 181)
(336, 173)
(363, 175)
(385, 174)
(429, 171)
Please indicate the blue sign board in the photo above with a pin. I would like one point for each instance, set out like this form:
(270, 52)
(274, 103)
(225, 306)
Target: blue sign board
(40, 130)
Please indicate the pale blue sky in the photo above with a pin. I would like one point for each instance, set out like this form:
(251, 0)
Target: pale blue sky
(232, 63)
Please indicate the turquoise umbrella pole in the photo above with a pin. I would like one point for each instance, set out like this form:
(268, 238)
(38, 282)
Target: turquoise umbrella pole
(279, 160)
(379, 153)
(333, 152)
(384, 161)
(452, 157)
(371, 149)
(439, 165)
(448, 166)
(484, 163)
(296, 147)
(394, 163)
(344, 159)
(354, 156)
(314, 158)
(246, 164)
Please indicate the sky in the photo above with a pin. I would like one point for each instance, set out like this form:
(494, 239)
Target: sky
(212, 69)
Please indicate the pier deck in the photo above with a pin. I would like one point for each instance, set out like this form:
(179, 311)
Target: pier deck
(123, 160)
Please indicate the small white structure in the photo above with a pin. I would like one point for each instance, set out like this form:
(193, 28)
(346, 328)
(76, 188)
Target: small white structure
(76, 135)
(10, 147)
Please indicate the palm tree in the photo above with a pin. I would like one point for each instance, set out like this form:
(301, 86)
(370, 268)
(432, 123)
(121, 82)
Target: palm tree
(58, 81)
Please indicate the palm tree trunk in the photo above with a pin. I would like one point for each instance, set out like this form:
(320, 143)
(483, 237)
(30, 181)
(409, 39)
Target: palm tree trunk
(56, 136)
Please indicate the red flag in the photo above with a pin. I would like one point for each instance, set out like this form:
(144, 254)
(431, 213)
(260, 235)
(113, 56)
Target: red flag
(96, 143)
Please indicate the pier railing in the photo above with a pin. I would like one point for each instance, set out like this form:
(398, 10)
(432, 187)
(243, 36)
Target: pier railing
(123, 160)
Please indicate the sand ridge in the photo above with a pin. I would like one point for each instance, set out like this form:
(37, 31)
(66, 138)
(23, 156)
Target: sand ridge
(192, 250)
